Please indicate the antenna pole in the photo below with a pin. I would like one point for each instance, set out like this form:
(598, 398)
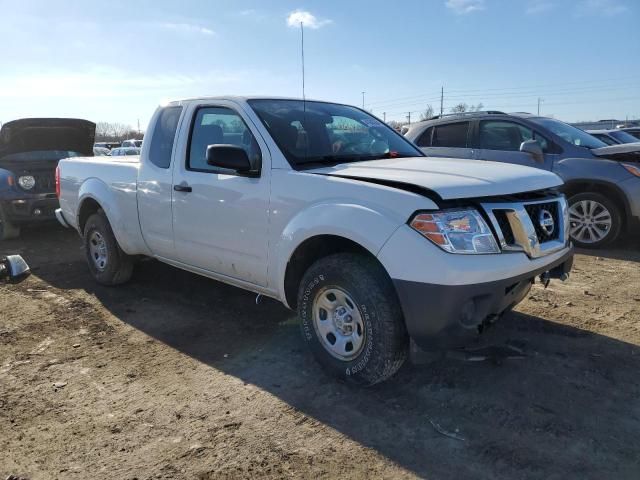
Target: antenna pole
(302, 52)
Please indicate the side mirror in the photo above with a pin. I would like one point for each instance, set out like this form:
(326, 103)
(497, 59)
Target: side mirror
(533, 148)
(14, 269)
(231, 157)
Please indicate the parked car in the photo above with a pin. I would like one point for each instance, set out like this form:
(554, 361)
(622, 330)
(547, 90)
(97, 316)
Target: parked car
(29, 152)
(602, 182)
(635, 131)
(613, 137)
(123, 151)
(108, 145)
(327, 209)
(101, 151)
(132, 143)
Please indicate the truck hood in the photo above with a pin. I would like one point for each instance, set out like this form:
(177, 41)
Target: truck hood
(623, 152)
(45, 134)
(449, 178)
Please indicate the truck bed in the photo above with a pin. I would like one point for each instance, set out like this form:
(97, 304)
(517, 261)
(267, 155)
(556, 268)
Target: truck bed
(115, 180)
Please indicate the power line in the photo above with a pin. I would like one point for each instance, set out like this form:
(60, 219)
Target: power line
(531, 89)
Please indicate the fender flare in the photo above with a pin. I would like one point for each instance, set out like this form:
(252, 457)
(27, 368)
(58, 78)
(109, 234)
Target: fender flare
(358, 223)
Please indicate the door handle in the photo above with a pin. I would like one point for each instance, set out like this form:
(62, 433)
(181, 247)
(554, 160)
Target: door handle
(182, 188)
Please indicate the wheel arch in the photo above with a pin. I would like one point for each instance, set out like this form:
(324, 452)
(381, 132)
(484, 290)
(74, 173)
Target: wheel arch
(310, 251)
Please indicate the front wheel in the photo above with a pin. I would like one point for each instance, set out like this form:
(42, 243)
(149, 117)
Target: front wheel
(108, 264)
(351, 318)
(595, 221)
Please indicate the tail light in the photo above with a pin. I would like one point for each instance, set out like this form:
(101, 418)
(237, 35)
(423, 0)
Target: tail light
(57, 182)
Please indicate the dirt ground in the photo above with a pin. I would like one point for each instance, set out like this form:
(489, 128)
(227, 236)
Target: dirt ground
(177, 376)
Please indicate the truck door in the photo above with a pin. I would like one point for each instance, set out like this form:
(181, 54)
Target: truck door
(155, 182)
(500, 140)
(220, 218)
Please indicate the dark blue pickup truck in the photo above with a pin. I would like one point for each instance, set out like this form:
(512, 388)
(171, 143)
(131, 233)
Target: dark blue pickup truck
(30, 149)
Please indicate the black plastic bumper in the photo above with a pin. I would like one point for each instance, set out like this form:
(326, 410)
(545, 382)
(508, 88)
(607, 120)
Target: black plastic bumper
(449, 316)
(35, 209)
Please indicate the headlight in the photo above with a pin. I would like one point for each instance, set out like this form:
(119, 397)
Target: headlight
(456, 231)
(632, 169)
(27, 182)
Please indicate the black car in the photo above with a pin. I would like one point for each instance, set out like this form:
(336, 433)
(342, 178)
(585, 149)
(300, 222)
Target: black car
(30, 149)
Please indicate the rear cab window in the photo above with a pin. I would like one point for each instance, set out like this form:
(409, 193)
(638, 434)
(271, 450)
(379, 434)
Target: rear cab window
(163, 136)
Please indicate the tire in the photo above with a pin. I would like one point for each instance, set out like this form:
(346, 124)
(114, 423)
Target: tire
(358, 296)
(108, 264)
(8, 230)
(586, 207)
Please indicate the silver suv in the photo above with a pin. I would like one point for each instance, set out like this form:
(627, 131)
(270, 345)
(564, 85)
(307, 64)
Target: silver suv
(602, 183)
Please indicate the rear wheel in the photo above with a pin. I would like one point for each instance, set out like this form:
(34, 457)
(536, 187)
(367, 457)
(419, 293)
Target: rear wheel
(351, 318)
(8, 230)
(595, 221)
(108, 264)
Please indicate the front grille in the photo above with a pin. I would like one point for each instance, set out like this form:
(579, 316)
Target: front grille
(535, 210)
(534, 227)
(505, 227)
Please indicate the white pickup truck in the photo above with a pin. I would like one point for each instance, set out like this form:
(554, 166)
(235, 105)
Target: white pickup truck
(327, 209)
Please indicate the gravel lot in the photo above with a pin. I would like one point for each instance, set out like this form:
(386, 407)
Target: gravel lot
(177, 376)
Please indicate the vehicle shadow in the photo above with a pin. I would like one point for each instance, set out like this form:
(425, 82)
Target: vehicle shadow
(623, 249)
(570, 405)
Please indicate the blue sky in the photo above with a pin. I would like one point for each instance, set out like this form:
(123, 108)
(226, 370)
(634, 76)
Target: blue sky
(116, 60)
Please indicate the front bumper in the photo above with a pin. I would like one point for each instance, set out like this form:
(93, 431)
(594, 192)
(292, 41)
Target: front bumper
(448, 316)
(33, 208)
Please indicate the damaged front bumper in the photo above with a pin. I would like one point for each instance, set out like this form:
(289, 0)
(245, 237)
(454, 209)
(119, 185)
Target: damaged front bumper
(449, 316)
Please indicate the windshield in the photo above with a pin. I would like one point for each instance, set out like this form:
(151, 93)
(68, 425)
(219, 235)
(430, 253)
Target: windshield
(41, 155)
(569, 133)
(624, 137)
(320, 132)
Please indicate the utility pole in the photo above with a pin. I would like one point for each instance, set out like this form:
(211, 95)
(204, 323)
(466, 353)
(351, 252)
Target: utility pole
(442, 100)
(138, 126)
(384, 116)
(539, 101)
(409, 117)
(363, 100)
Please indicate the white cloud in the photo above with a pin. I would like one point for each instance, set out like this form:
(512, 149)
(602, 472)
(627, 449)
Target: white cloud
(307, 19)
(607, 8)
(463, 7)
(537, 7)
(187, 28)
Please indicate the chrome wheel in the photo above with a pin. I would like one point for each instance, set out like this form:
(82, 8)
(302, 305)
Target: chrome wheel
(98, 250)
(590, 221)
(338, 323)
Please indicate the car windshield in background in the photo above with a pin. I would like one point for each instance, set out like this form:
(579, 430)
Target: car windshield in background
(320, 132)
(42, 155)
(624, 137)
(569, 133)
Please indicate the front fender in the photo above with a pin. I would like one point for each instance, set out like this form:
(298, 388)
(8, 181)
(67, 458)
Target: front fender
(358, 223)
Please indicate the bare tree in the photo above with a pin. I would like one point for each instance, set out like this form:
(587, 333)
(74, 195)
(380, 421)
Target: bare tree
(463, 107)
(460, 108)
(115, 132)
(427, 114)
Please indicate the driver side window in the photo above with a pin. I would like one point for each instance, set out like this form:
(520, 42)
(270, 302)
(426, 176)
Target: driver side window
(219, 125)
